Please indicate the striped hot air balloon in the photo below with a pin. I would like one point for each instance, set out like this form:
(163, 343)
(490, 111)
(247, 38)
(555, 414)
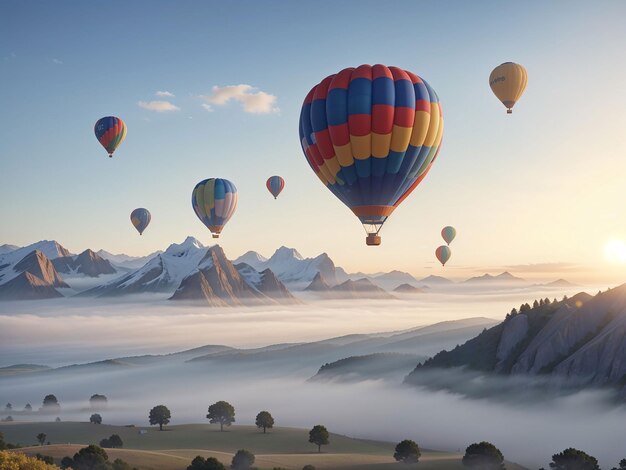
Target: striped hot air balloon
(443, 254)
(275, 185)
(508, 82)
(140, 218)
(371, 134)
(448, 233)
(110, 132)
(214, 201)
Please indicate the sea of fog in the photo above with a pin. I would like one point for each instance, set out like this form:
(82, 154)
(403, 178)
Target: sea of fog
(78, 331)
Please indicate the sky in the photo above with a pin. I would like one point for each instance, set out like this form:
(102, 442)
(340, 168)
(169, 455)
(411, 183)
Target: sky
(214, 89)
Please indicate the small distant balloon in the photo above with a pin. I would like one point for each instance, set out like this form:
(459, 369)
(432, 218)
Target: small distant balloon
(110, 132)
(443, 254)
(508, 82)
(140, 218)
(275, 185)
(448, 233)
(214, 201)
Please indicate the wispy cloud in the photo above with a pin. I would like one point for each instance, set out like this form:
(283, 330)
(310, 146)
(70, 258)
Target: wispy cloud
(56, 61)
(158, 106)
(208, 107)
(165, 93)
(252, 99)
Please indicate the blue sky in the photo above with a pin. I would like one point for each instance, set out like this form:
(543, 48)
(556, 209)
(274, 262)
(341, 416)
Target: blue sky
(544, 185)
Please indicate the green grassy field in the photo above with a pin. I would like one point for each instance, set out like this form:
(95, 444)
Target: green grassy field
(175, 447)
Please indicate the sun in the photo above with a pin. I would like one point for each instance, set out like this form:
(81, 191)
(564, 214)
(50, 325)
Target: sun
(615, 251)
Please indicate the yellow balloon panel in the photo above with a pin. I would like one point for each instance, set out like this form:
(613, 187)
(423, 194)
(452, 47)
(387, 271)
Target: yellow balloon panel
(508, 82)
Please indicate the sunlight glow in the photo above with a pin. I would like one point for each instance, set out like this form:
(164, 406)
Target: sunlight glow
(615, 251)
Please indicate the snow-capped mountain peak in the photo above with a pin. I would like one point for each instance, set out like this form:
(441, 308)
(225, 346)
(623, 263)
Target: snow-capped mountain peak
(285, 254)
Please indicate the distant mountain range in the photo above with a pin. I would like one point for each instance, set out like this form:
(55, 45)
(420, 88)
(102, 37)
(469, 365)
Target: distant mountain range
(577, 342)
(164, 272)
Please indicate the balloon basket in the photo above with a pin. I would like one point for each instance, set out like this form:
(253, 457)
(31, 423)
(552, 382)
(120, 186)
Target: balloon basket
(372, 240)
(216, 235)
(509, 111)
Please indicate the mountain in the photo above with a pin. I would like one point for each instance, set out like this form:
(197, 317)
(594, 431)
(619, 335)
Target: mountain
(88, 263)
(50, 248)
(503, 278)
(163, 273)
(390, 366)
(318, 284)
(7, 248)
(126, 261)
(217, 282)
(559, 283)
(435, 281)
(359, 289)
(30, 277)
(408, 289)
(397, 277)
(290, 267)
(577, 342)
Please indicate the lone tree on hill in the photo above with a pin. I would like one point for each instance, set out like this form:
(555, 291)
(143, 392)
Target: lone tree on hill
(8, 407)
(41, 438)
(243, 460)
(574, 459)
(264, 420)
(160, 415)
(200, 463)
(221, 412)
(113, 442)
(319, 436)
(407, 451)
(28, 408)
(50, 402)
(483, 456)
(95, 418)
(98, 401)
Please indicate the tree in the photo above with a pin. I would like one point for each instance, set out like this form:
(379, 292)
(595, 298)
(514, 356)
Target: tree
(3, 444)
(45, 458)
(28, 408)
(119, 464)
(159, 415)
(113, 442)
(57, 420)
(221, 412)
(41, 438)
(264, 420)
(50, 402)
(483, 456)
(8, 407)
(243, 460)
(319, 436)
(98, 401)
(200, 463)
(308, 467)
(88, 458)
(67, 462)
(622, 465)
(95, 418)
(407, 451)
(574, 459)
(8, 419)
(16, 460)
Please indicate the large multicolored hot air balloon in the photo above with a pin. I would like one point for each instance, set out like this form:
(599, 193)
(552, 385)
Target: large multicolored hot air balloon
(448, 233)
(371, 134)
(508, 82)
(443, 254)
(140, 218)
(110, 132)
(275, 184)
(214, 201)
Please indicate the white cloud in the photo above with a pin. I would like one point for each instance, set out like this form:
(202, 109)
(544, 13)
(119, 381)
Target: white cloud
(252, 99)
(57, 61)
(208, 107)
(158, 106)
(165, 93)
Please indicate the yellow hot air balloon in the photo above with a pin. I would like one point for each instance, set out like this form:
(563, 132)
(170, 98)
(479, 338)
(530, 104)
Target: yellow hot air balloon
(508, 82)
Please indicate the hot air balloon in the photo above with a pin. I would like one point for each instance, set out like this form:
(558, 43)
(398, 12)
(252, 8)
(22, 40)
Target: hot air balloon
(371, 134)
(275, 184)
(448, 233)
(140, 218)
(508, 82)
(214, 201)
(443, 254)
(110, 132)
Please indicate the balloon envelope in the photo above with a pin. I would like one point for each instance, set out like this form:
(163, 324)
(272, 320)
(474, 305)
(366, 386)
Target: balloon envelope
(275, 184)
(508, 82)
(214, 201)
(448, 234)
(110, 132)
(371, 134)
(443, 254)
(140, 218)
